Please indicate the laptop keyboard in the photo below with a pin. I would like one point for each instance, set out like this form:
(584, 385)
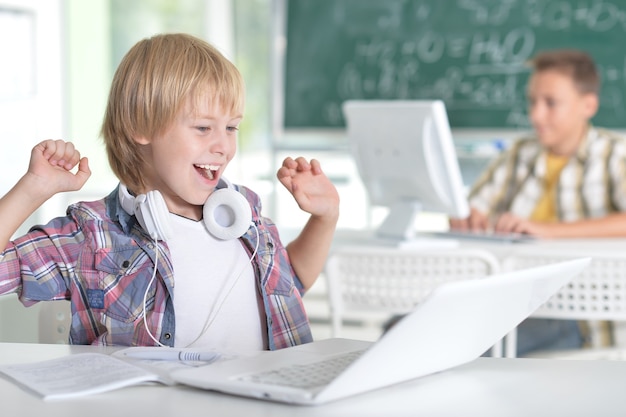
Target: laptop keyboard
(309, 375)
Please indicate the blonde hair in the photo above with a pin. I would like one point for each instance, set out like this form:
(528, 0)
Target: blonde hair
(576, 64)
(154, 81)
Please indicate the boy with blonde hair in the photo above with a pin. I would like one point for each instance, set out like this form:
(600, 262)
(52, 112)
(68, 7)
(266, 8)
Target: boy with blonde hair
(150, 264)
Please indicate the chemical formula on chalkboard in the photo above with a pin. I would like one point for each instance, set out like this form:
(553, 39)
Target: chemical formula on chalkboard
(470, 53)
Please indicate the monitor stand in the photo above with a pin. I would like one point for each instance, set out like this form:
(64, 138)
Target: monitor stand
(398, 230)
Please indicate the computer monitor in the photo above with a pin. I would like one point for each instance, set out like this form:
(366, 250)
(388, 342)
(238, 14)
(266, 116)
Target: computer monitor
(406, 158)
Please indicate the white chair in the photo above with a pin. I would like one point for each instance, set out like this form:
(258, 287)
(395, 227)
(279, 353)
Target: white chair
(598, 294)
(368, 285)
(54, 322)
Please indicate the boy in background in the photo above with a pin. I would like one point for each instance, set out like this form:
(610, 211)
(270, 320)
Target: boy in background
(567, 180)
(146, 264)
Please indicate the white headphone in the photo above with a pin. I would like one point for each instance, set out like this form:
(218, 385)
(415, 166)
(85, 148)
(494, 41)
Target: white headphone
(226, 213)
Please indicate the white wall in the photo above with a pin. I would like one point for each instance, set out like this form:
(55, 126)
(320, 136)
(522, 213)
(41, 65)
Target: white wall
(28, 113)
(34, 112)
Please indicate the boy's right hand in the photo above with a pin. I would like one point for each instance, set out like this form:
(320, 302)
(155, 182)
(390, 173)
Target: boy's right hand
(51, 162)
(49, 172)
(477, 221)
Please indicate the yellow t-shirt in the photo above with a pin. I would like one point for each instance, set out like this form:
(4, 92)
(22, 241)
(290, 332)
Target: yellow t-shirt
(546, 207)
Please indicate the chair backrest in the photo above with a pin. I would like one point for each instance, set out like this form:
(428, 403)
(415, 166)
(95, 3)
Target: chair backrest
(54, 322)
(598, 293)
(375, 283)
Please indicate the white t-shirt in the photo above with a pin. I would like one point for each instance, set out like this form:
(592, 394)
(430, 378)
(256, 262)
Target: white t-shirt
(214, 286)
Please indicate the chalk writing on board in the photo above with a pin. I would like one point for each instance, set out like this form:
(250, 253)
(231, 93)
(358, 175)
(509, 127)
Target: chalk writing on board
(472, 55)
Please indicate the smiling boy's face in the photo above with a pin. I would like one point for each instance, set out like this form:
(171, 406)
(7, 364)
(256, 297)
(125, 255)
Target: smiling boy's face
(186, 162)
(558, 111)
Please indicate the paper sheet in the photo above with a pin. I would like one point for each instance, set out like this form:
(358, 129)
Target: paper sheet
(80, 374)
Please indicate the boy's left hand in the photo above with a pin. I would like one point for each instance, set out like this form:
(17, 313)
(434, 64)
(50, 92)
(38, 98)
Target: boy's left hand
(310, 187)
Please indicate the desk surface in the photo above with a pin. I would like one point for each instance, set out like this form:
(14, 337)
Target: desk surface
(362, 236)
(595, 247)
(485, 387)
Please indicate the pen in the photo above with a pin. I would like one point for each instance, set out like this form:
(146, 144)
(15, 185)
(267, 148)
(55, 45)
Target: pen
(173, 355)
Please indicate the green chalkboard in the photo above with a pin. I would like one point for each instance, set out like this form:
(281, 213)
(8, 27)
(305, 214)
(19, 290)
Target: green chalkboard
(469, 53)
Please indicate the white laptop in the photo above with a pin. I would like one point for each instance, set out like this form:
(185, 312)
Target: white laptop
(458, 322)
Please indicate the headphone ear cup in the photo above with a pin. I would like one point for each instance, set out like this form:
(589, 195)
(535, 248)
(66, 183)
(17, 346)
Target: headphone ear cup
(152, 214)
(227, 214)
(126, 200)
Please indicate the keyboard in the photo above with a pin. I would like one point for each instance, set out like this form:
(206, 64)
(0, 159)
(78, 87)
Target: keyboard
(486, 236)
(310, 375)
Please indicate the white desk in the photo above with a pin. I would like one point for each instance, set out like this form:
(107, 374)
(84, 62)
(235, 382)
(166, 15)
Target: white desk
(612, 245)
(486, 387)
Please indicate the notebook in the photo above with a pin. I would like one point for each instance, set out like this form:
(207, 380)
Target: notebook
(455, 324)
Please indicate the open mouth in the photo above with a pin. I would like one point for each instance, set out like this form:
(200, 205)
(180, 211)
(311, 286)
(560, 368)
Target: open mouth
(208, 171)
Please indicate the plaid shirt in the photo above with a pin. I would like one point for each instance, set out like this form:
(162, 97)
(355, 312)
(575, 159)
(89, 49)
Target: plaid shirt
(592, 183)
(99, 257)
